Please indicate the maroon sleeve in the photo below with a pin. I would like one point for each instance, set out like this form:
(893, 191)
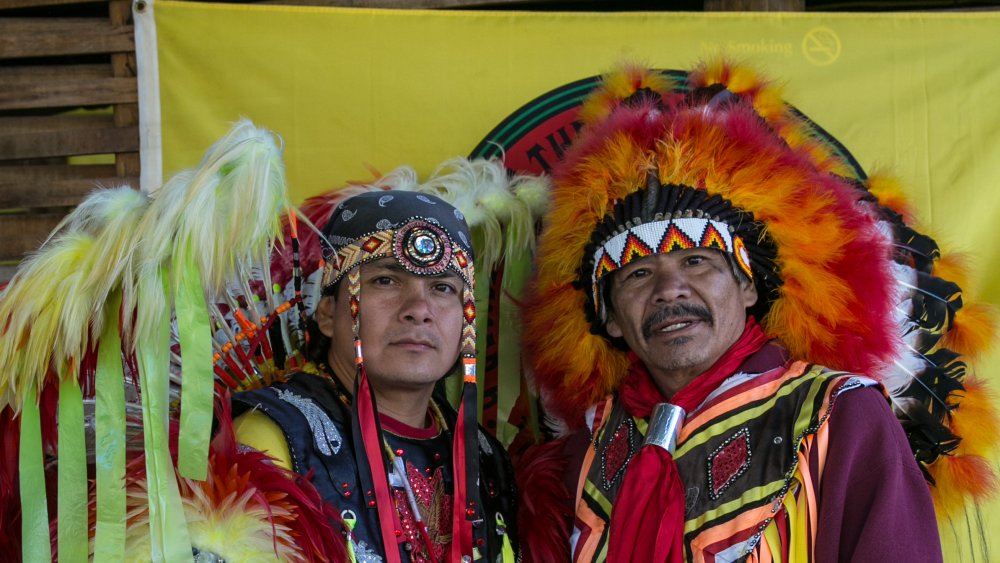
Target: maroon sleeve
(874, 504)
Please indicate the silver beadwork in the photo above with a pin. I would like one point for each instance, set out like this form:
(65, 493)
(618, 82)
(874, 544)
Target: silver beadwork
(484, 444)
(325, 434)
(364, 554)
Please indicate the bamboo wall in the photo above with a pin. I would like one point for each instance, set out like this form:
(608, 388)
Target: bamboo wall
(56, 58)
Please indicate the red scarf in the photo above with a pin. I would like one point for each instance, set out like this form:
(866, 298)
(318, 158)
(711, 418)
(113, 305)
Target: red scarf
(650, 524)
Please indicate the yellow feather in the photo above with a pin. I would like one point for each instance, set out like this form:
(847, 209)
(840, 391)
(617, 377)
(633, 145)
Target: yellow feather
(502, 210)
(232, 206)
(111, 267)
(225, 213)
(56, 300)
(238, 528)
(42, 315)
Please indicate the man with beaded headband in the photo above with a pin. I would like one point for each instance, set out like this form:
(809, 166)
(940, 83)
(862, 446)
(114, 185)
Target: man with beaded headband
(414, 480)
(703, 270)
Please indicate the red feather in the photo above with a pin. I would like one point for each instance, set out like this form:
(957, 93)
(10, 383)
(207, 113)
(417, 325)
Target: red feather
(10, 499)
(545, 515)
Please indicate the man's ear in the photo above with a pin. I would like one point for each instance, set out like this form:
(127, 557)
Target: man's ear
(614, 330)
(748, 292)
(324, 315)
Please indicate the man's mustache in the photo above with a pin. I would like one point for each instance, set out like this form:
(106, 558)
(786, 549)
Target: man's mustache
(679, 310)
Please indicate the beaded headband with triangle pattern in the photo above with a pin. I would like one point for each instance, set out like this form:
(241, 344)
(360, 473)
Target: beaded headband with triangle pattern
(661, 219)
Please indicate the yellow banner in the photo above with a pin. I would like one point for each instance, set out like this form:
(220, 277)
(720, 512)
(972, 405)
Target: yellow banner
(353, 89)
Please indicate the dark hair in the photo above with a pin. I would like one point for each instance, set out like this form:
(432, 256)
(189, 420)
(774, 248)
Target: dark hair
(741, 277)
(317, 348)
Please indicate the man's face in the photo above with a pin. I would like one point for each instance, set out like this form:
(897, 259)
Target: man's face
(679, 312)
(411, 326)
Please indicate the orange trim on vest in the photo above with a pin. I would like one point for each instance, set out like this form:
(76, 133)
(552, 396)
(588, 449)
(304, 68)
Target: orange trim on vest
(795, 369)
(588, 550)
(748, 521)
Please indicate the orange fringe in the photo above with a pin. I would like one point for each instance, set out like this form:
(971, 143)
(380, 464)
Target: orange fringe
(976, 419)
(959, 479)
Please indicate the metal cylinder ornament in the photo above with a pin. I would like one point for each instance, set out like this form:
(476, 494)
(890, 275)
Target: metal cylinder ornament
(665, 426)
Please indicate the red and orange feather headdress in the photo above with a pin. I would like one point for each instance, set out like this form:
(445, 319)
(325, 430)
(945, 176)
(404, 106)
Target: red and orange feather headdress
(848, 282)
(812, 222)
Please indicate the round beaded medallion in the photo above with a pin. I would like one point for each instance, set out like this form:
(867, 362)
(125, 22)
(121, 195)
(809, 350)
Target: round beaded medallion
(422, 247)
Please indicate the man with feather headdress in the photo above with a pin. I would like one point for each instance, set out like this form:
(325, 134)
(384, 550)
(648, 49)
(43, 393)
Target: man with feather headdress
(706, 254)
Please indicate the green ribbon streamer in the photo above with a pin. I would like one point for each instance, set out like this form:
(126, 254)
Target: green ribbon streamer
(109, 439)
(35, 542)
(169, 540)
(350, 523)
(72, 527)
(197, 377)
(515, 276)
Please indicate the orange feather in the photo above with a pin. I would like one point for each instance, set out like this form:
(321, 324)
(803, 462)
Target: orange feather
(973, 331)
(975, 419)
(956, 478)
(967, 474)
(954, 267)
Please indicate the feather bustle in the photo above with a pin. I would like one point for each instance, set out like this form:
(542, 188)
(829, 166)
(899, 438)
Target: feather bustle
(55, 301)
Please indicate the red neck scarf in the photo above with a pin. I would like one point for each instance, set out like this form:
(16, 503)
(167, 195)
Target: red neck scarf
(650, 524)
